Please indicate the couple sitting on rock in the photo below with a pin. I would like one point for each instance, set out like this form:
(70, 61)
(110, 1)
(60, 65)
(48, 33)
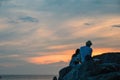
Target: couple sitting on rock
(81, 55)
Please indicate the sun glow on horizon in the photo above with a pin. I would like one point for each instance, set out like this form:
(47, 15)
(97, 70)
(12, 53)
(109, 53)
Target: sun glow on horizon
(51, 58)
(98, 51)
(64, 56)
(40, 36)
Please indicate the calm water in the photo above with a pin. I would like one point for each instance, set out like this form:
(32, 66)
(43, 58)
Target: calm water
(26, 77)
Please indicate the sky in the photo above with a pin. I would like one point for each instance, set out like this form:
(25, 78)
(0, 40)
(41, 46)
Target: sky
(40, 36)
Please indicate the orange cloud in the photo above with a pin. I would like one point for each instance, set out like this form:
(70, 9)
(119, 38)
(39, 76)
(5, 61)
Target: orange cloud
(100, 26)
(53, 58)
(64, 56)
(97, 51)
(48, 59)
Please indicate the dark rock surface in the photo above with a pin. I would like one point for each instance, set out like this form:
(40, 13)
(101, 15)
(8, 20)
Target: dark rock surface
(63, 72)
(106, 67)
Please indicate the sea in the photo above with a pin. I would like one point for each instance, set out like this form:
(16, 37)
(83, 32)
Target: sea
(26, 77)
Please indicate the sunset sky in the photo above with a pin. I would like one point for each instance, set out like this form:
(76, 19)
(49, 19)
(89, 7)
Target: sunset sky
(40, 36)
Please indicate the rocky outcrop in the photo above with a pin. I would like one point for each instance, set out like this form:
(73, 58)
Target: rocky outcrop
(105, 67)
(64, 71)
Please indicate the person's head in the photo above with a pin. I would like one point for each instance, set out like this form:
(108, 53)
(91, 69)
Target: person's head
(88, 43)
(76, 52)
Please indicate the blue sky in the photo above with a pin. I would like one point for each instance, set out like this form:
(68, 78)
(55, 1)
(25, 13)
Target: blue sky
(32, 33)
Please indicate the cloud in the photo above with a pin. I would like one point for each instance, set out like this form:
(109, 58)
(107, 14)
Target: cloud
(28, 19)
(89, 24)
(82, 8)
(2, 1)
(100, 31)
(49, 31)
(118, 26)
(65, 9)
(47, 39)
(48, 59)
(6, 4)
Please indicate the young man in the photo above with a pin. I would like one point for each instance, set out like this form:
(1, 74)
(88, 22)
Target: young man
(85, 52)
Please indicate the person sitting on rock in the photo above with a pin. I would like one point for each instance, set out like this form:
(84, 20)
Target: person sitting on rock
(74, 60)
(64, 71)
(85, 52)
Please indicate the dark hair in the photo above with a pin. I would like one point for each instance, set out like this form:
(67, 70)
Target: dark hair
(88, 43)
(76, 52)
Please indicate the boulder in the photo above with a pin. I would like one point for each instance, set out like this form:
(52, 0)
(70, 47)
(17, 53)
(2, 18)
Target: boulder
(63, 72)
(106, 67)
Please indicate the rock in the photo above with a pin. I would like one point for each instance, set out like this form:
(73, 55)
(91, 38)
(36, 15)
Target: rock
(106, 67)
(109, 57)
(72, 75)
(63, 72)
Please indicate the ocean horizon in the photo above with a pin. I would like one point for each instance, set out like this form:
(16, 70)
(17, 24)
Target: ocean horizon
(26, 77)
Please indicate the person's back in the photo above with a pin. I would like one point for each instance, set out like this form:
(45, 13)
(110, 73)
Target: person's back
(85, 52)
(74, 61)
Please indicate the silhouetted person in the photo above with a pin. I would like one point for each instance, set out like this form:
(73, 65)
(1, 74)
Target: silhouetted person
(74, 60)
(85, 52)
(54, 78)
(72, 64)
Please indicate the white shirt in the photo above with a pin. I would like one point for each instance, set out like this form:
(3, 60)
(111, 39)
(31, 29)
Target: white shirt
(84, 51)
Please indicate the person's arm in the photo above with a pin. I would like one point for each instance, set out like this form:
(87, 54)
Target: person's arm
(78, 58)
(89, 57)
(91, 51)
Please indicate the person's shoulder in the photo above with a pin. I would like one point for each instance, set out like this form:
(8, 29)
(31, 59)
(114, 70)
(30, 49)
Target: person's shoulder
(86, 47)
(91, 48)
(82, 46)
